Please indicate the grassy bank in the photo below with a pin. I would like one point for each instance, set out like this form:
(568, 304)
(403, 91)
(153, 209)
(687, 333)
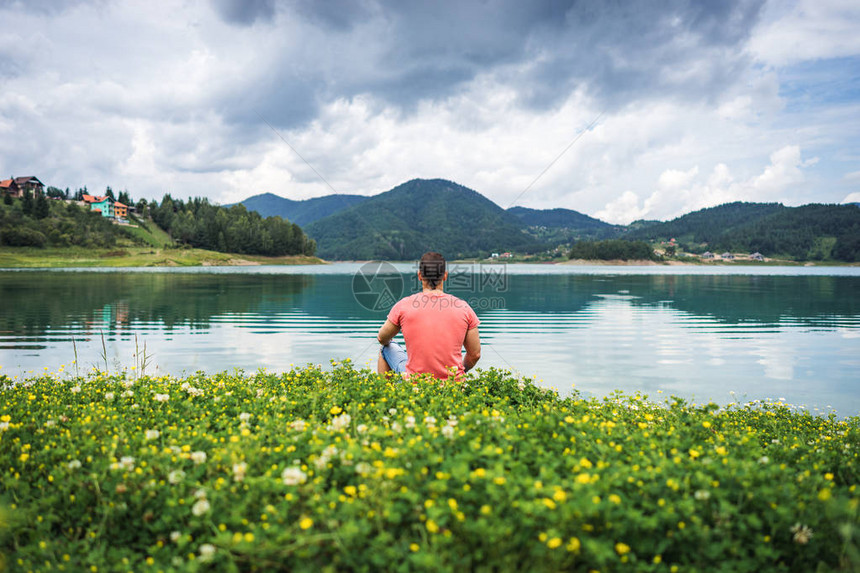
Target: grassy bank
(127, 256)
(341, 470)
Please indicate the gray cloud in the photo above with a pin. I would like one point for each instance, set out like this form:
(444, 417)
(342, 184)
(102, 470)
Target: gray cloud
(245, 12)
(407, 52)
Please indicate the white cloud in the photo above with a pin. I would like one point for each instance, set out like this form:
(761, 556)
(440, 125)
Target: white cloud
(852, 197)
(678, 192)
(805, 30)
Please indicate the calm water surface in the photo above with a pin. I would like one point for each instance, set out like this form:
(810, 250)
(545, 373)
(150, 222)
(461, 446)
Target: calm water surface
(701, 333)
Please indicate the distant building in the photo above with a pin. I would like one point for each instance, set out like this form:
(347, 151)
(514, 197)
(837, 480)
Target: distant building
(756, 257)
(120, 210)
(102, 204)
(16, 186)
(9, 187)
(727, 256)
(707, 255)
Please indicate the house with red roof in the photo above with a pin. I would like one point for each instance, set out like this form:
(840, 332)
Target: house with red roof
(15, 186)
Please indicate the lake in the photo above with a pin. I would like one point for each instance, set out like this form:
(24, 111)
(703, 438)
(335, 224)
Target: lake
(723, 333)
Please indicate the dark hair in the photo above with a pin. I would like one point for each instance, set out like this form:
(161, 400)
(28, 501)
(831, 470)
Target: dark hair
(432, 268)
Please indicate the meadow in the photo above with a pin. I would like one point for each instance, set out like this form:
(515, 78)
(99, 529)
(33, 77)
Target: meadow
(313, 470)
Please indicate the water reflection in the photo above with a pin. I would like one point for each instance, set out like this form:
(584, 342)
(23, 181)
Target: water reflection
(686, 334)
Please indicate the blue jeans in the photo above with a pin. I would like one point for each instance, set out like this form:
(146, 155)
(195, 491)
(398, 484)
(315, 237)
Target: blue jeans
(395, 356)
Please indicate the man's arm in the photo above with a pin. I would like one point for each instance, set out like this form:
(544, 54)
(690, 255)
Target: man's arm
(473, 349)
(388, 331)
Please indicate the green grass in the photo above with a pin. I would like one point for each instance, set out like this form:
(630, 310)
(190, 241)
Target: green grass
(132, 256)
(343, 470)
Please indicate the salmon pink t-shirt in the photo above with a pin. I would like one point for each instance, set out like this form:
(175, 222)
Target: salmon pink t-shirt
(434, 325)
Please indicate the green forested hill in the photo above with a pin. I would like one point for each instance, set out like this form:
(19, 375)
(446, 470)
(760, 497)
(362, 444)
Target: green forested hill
(42, 222)
(706, 226)
(418, 216)
(302, 212)
(556, 226)
(810, 232)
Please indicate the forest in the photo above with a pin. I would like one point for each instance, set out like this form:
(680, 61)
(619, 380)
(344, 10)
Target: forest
(200, 224)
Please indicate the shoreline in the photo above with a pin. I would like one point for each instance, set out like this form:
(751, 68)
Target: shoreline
(30, 257)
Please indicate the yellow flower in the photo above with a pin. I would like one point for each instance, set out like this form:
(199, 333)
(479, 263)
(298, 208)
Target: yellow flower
(549, 503)
(622, 548)
(614, 498)
(559, 495)
(431, 526)
(350, 490)
(413, 547)
(553, 543)
(824, 494)
(306, 523)
(335, 410)
(706, 424)
(583, 478)
(573, 545)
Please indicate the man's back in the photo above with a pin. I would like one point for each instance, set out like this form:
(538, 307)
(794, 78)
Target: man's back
(434, 326)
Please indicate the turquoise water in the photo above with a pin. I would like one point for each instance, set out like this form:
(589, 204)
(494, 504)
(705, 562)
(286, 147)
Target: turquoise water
(723, 334)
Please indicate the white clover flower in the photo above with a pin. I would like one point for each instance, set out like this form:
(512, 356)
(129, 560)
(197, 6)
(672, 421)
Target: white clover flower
(152, 434)
(50, 423)
(340, 422)
(764, 460)
(74, 464)
(176, 476)
(109, 396)
(410, 422)
(452, 420)
(260, 393)
(162, 397)
(361, 428)
(175, 536)
(392, 411)
(244, 417)
(521, 385)
(4, 426)
(429, 421)
(294, 476)
(127, 462)
(127, 394)
(207, 552)
(363, 468)
(128, 383)
(239, 471)
(200, 507)
(76, 389)
(198, 457)
(396, 427)
(298, 425)
(802, 533)
(448, 432)
(702, 494)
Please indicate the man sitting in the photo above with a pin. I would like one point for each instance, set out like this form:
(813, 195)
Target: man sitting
(436, 327)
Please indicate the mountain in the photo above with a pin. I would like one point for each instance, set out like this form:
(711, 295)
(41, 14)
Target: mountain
(302, 212)
(810, 232)
(705, 225)
(556, 226)
(418, 216)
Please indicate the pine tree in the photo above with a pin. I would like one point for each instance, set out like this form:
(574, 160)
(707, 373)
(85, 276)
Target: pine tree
(41, 209)
(27, 204)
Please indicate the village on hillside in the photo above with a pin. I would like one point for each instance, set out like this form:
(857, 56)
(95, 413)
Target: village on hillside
(106, 205)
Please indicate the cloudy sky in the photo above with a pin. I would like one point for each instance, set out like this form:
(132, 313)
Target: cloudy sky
(670, 106)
